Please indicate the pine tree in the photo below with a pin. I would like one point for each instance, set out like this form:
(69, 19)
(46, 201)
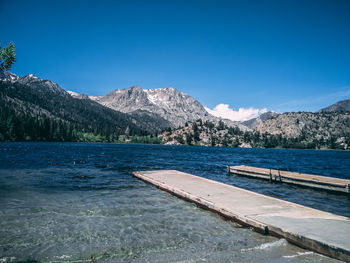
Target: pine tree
(7, 56)
(221, 125)
(195, 132)
(188, 139)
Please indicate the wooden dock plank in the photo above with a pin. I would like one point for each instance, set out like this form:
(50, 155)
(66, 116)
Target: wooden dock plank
(315, 181)
(312, 229)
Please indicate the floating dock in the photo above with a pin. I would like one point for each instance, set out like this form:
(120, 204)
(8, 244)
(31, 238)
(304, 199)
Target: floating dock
(309, 180)
(306, 227)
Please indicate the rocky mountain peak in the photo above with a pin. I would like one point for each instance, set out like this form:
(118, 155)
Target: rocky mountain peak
(166, 96)
(169, 103)
(39, 83)
(8, 76)
(30, 76)
(129, 92)
(124, 100)
(136, 88)
(33, 81)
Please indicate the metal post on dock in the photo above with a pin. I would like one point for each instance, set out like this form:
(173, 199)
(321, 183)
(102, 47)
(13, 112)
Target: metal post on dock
(279, 175)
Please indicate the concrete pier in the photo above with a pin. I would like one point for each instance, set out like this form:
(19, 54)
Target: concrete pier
(309, 228)
(309, 180)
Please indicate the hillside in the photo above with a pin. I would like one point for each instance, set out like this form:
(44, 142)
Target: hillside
(255, 122)
(292, 130)
(36, 109)
(340, 106)
(307, 125)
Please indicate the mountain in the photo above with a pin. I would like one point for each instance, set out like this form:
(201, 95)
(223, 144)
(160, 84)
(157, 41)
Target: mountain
(41, 84)
(288, 130)
(148, 120)
(340, 106)
(32, 108)
(7, 76)
(255, 122)
(32, 101)
(321, 126)
(151, 110)
(172, 105)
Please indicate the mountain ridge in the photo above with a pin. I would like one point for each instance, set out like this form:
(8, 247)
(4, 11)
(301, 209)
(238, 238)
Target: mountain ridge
(340, 106)
(136, 111)
(40, 99)
(169, 103)
(255, 122)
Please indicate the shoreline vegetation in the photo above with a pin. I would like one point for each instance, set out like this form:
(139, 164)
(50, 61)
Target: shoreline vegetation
(61, 132)
(132, 142)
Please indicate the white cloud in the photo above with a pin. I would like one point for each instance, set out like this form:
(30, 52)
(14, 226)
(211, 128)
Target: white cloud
(243, 114)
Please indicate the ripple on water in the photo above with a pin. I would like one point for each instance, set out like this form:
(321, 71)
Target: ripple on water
(72, 211)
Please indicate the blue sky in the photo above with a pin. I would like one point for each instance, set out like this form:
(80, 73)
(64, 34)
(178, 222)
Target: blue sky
(280, 55)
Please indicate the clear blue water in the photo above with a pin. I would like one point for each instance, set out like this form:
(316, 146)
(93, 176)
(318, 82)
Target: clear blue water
(68, 202)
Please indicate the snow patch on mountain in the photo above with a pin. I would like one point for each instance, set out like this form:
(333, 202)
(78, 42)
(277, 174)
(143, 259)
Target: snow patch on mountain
(8, 76)
(73, 94)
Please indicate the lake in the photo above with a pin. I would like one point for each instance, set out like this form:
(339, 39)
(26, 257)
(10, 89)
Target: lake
(78, 202)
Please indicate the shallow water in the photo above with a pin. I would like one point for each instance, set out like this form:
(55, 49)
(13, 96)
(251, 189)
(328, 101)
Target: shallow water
(66, 202)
